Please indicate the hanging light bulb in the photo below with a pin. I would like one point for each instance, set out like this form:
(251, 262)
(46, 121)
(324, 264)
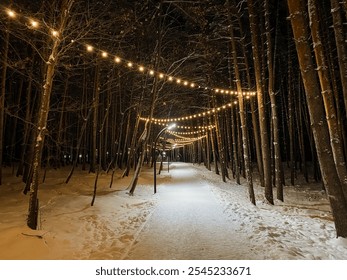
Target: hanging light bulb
(11, 14)
(34, 23)
(104, 54)
(90, 48)
(55, 33)
(117, 59)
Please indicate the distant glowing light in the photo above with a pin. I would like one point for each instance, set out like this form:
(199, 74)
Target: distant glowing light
(34, 23)
(11, 14)
(117, 59)
(55, 33)
(130, 64)
(90, 48)
(141, 68)
(104, 54)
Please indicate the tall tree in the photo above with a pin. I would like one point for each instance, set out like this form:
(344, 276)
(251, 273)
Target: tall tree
(244, 128)
(2, 98)
(299, 22)
(328, 99)
(41, 127)
(271, 91)
(264, 134)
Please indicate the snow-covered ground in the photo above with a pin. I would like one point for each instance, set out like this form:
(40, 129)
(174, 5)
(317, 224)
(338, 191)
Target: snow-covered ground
(194, 215)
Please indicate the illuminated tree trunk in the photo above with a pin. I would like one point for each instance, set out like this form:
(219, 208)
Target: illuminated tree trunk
(255, 122)
(319, 125)
(43, 115)
(274, 117)
(95, 153)
(340, 38)
(2, 99)
(220, 144)
(331, 114)
(236, 166)
(264, 135)
(244, 129)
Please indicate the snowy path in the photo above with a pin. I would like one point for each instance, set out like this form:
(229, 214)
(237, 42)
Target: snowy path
(188, 223)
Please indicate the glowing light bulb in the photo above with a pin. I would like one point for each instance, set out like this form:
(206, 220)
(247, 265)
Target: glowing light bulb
(185, 83)
(151, 72)
(170, 78)
(104, 54)
(34, 23)
(90, 48)
(11, 14)
(178, 81)
(216, 90)
(55, 33)
(130, 64)
(161, 75)
(141, 68)
(117, 59)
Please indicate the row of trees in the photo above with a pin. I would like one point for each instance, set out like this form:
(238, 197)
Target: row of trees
(61, 104)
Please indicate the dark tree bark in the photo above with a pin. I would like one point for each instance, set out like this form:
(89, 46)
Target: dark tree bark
(319, 125)
(264, 134)
(43, 114)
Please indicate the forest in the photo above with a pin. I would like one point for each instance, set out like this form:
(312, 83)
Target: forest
(255, 89)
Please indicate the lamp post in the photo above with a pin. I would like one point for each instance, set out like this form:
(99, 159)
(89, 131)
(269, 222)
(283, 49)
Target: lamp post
(154, 155)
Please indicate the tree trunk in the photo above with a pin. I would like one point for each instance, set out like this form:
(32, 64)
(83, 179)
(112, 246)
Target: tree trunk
(274, 117)
(244, 129)
(2, 99)
(264, 135)
(328, 99)
(320, 130)
(43, 115)
(95, 153)
(340, 38)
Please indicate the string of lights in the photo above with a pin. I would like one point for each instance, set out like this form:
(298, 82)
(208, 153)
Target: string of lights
(178, 126)
(33, 23)
(190, 117)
